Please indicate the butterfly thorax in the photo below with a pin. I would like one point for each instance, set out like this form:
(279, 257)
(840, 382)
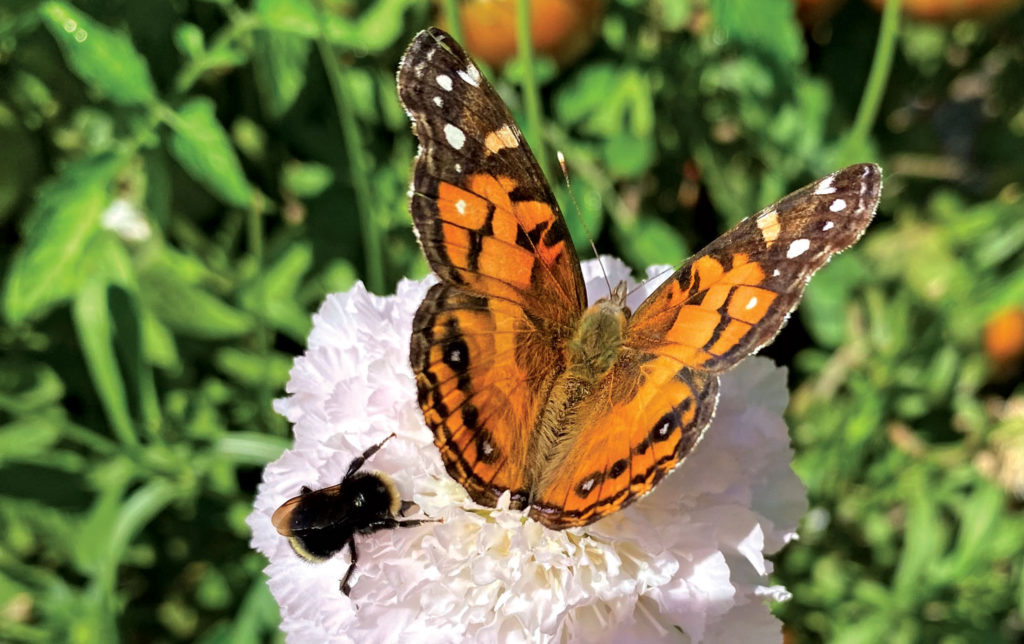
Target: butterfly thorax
(595, 344)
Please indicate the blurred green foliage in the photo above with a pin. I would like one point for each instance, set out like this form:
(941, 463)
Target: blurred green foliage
(182, 183)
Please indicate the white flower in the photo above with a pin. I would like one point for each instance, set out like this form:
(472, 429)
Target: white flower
(126, 220)
(686, 562)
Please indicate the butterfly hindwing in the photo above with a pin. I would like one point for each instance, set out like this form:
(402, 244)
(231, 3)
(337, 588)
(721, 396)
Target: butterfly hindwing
(646, 416)
(472, 356)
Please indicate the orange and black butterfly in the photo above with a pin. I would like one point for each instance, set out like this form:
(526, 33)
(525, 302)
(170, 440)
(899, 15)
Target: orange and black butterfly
(578, 410)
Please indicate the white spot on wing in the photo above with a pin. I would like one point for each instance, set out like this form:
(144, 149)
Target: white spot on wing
(460, 205)
(768, 224)
(501, 139)
(797, 248)
(471, 76)
(776, 273)
(752, 303)
(837, 205)
(458, 167)
(455, 137)
(445, 82)
(438, 102)
(828, 226)
(825, 187)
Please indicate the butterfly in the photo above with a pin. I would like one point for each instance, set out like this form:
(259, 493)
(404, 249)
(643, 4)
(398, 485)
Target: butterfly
(577, 411)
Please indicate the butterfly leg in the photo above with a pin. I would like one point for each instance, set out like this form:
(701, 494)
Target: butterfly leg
(360, 460)
(345, 587)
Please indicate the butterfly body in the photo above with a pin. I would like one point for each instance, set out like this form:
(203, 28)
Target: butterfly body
(577, 411)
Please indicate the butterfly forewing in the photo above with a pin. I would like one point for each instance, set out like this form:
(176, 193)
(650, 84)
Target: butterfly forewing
(731, 298)
(484, 213)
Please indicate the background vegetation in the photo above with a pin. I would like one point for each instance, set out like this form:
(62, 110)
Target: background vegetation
(182, 182)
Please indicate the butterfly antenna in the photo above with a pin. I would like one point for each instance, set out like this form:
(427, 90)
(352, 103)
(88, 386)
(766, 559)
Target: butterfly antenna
(579, 216)
(643, 282)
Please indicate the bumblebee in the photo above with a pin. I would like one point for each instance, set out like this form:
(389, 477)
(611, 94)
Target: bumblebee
(319, 523)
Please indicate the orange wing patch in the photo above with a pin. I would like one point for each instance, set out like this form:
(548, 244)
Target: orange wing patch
(704, 311)
(646, 418)
(473, 357)
(499, 246)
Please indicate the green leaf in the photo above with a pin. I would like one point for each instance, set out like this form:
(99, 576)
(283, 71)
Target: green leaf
(765, 26)
(20, 171)
(29, 436)
(924, 542)
(254, 369)
(378, 27)
(202, 146)
(46, 269)
(103, 58)
(251, 447)
(158, 345)
(306, 180)
(607, 101)
(94, 328)
(28, 386)
(141, 506)
(627, 156)
(979, 525)
(273, 296)
(290, 17)
(280, 59)
(94, 531)
(824, 307)
(649, 241)
(190, 310)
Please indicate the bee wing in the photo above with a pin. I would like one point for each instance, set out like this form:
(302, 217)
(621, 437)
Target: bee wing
(283, 516)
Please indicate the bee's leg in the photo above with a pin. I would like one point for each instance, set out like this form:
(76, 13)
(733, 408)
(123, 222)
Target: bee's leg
(360, 460)
(405, 508)
(389, 524)
(345, 588)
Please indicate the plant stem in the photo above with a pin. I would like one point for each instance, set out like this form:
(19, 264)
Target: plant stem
(358, 165)
(878, 77)
(531, 95)
(451, 14)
